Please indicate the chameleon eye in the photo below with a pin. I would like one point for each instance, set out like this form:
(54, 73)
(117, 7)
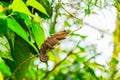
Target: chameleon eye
(66, 31)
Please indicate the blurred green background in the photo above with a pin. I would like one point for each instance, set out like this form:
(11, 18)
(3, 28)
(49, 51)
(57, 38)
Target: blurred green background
(90, 52)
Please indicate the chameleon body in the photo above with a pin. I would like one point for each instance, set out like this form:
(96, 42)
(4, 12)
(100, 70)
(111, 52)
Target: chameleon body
(50, 42)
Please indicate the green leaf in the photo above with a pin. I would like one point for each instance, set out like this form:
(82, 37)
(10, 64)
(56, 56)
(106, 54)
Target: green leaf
(80, 59)
(19, 6)
(38, 33)
(4, 68)
(115, 61)
(48, 7)
(66, 23)
(5, 51)
(17, 28)
(87, 11)
(3, 26)
(37, 6)
(23, 18)
(21, 52)
(81, 36)
(81, 48)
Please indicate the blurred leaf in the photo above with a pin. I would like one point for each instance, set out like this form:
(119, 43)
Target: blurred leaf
(48, 7)
(31, 73)
(87, 11)
(79, 22)
(92, 72)
(38, 33)
(4, 69)
(20, 53)
(60, 77)
(19, 6)
(82, 36)
(3, 26)
(23, 18)
(37, 6)
(1, 8)
(15, 27)
(114, 61)
(81, 48)
(1, 76)
(3, 3)
(80, 59)
(5, 48)
(66, 23)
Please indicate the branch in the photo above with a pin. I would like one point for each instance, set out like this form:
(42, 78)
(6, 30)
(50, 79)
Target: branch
(113, 75)
(55, 17)
(91, 58)
(100, 30)
(69, 12)
(48, 72)
(70, 53)
(19, 66)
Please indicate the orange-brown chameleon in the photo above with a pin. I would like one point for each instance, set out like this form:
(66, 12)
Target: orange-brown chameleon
(50, 42)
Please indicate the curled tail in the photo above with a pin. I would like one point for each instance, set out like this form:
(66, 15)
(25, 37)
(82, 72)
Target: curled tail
(43, 57)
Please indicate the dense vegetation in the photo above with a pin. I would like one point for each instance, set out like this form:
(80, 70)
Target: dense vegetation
(24, 26)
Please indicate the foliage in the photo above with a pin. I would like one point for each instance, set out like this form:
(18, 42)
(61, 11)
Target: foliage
(22, 33)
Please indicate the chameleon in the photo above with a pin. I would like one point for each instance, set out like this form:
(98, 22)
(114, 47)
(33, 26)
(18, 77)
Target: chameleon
(49, 44)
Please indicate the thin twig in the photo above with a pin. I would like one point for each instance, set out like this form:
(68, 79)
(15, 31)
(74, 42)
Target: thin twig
(48, 72)
(26, 60)
(81, 20)
(91, 58)
(69, 12)
(55, 17)
(100, 30)
(113, 74)
(75, 30)
(37, 72)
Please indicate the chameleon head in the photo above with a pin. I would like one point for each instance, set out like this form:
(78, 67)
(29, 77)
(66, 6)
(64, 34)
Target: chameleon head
(62, 34)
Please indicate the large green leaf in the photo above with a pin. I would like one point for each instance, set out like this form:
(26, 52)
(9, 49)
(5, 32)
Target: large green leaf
(38, 33)
(48, 7)
(21, 52)
(3, 25)
(37, 6)
(17, 28)
(5, 48)
(24, 20)
(19, 6)
(4, 68)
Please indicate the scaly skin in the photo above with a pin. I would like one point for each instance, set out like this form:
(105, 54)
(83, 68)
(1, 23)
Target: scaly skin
(50, 42)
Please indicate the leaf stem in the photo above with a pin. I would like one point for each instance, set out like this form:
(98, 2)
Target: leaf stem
(26, 60)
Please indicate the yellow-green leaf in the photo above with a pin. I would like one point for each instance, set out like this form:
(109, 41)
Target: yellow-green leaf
(5, 51)
(19, 6)
(37, 6)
